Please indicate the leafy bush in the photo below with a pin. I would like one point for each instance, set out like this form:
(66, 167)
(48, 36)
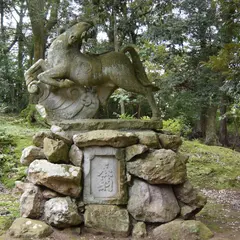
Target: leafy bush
(177, 126)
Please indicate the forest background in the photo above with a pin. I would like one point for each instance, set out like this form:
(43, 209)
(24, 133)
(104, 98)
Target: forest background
(190, 50)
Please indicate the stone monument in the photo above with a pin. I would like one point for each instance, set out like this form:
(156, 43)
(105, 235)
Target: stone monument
(116, 177)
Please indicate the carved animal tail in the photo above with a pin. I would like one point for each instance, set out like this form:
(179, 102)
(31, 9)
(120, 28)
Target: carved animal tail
(138, 68)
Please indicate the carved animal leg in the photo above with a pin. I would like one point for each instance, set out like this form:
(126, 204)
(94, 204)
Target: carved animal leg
(50, 77)
(156, 115)
(104, 92)
(31, 74)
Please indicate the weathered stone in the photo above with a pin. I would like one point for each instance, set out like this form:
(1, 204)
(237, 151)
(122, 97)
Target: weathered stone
(182, 230)
(26, 228)
(59, 133)
(152, 203)
(22, 186)
(61, 212)
(135, 150)
(48, 194)
(139, 230)
(170, 141)
(114, 124)
(39, 137)
(31, 153)
(31, 202)
(76, 156)
(148, 138)
(104, 176)
(107, 219)
(62, 178)
(56, 150)
(190, 200)
(159, 167)
(105, 138)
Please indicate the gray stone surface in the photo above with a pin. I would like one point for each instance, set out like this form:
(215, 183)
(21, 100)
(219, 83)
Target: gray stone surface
(56, 150)
(31, 153)
(107, 219)
(59, 133)
(152, 203)
(190, 200)
(39, 137)
(170, 141)
(139, 230)
(148, 138)
(134, 150)
(159, 167)
(26, 228)
(111, 138)
(113, 124)
(76, 156)
(182, 230)
(61, 212)
(48, 194)
(62, 178)
(104, 176)
(31, 202)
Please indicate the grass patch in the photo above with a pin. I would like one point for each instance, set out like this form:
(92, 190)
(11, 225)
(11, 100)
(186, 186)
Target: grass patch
(15, 135)
(212, 167)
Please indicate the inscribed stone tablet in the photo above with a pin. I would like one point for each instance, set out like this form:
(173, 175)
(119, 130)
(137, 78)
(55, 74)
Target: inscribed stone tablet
(104, 176)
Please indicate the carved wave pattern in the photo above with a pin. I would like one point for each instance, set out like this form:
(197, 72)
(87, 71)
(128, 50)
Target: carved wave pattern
(75, 102)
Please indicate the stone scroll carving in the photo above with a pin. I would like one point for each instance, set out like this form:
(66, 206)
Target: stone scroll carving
(72, 84)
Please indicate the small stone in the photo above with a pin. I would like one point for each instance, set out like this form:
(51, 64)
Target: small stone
(182, 230)
(39, 137)
(27, 228)
(135, 150)
(62, 178)
(152, 203)
(48, 194)
(159, 167)
(56, 150)
(76, 156)
(59, 133)
(190, 200)
(61, 212)
(148, 138)
(168, 141)
(139, 230)
(31, 153)
(21, 186)
(112, 138)
(31, 202)
(108, 219)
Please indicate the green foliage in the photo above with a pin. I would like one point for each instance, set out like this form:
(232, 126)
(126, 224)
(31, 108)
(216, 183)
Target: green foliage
(177, 126)
(211, 166)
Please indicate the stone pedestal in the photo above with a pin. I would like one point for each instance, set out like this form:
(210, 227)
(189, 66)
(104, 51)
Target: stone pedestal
(110, 178)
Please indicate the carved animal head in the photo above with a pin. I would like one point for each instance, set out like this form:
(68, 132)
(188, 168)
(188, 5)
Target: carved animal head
(77, 32)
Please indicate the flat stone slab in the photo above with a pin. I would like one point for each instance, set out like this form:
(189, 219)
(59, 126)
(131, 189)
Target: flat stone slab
(114, 124)
(107, 219)
(104, 176)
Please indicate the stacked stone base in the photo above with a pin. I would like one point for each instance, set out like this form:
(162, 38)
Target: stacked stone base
(113, 182)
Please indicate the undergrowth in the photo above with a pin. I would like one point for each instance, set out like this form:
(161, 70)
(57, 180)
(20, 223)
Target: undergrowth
(212, 166)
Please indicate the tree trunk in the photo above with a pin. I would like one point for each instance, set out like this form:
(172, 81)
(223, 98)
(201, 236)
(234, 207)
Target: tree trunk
(211, 137)
(223, 132)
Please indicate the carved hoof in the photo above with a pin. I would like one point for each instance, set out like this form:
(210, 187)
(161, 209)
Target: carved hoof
(33, 87)
(66, 83)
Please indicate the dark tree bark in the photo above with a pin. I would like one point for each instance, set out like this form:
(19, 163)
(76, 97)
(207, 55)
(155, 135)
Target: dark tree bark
(211, 137)
(223, 132)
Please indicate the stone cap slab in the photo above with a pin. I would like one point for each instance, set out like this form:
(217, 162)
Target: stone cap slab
(113, 124)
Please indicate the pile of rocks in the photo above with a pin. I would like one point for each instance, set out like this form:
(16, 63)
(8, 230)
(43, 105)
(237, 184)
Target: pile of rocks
(108, 181)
